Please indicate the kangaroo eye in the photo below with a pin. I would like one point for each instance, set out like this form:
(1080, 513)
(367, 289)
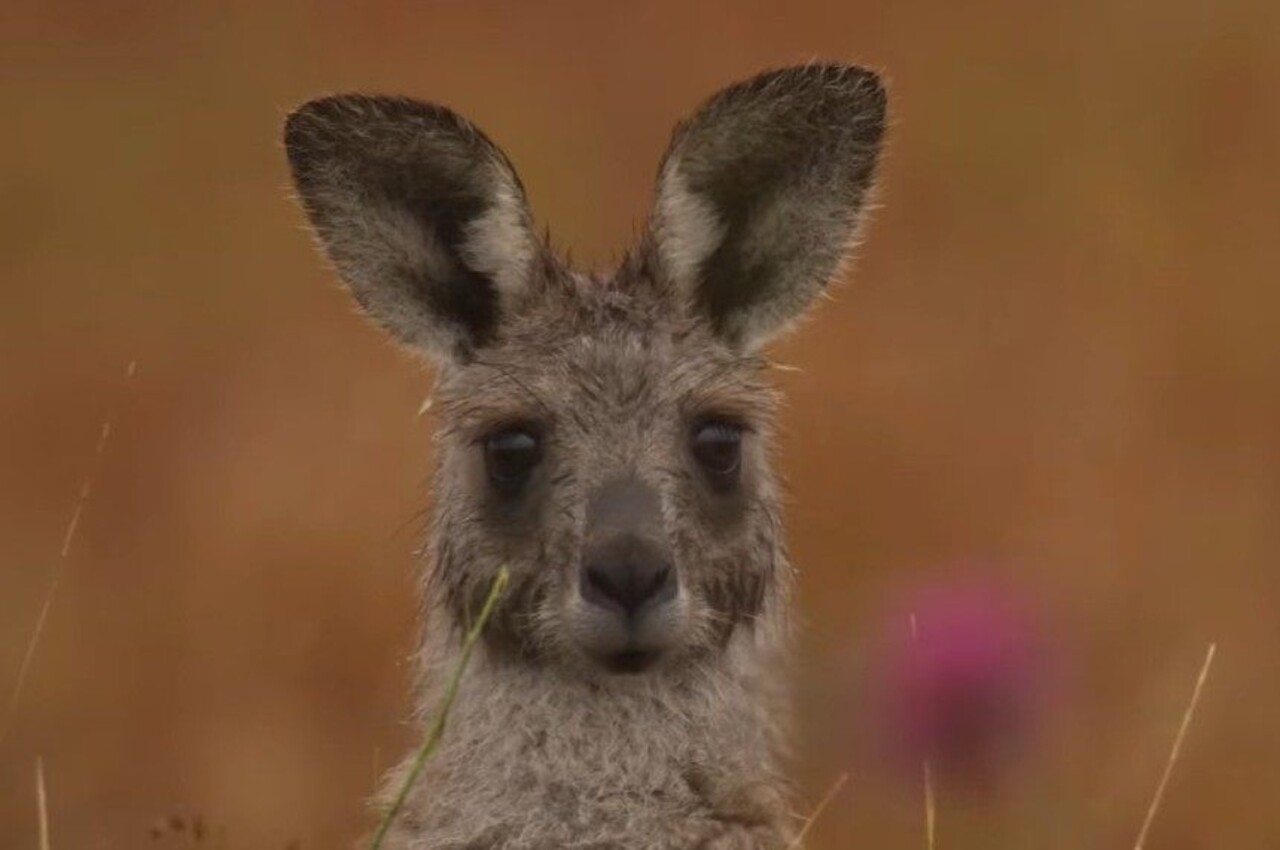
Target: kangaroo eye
(510, 455)
(717, 446)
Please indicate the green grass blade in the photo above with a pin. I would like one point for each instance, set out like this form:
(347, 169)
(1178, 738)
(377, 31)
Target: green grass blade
(436, 731)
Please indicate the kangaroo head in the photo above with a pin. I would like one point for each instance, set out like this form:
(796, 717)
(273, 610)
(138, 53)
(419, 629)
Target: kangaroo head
(603, 437)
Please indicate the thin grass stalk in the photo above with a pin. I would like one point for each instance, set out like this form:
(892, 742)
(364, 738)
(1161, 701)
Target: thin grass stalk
(1177, 748)
(436, 731)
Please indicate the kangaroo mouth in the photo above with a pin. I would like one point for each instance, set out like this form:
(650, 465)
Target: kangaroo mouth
(630, 661)
(618, 642)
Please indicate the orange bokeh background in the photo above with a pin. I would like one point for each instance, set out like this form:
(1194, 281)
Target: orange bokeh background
(1058, 355)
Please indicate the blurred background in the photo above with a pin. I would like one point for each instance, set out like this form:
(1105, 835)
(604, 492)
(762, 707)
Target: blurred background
(1052, 377)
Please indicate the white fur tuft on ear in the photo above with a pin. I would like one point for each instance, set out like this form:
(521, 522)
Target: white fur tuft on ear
(687, 227)
(500, 243)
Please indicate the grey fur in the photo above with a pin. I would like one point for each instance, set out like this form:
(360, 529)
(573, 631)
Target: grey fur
(546, 749)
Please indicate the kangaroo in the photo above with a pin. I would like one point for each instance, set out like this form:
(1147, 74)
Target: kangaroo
(604, 437)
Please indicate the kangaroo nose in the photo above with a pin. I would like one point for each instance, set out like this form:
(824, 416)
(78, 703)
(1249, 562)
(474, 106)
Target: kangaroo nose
(627, 572)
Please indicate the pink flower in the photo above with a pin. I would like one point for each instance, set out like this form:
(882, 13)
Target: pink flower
(958, 680)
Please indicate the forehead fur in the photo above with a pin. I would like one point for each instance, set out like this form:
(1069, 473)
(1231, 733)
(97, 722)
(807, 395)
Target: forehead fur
(583, 342)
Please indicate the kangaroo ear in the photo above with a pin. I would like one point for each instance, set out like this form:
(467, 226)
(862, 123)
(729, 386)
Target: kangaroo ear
(422, 215)
(761, 193)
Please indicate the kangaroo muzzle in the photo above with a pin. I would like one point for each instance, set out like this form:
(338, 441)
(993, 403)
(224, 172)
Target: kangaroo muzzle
(628, 582)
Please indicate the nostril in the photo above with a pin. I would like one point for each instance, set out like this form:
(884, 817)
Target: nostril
(599, 586)
(657, 581)
(629, 584)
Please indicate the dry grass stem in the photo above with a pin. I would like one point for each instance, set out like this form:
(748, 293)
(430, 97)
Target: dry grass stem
(42, 804)
(930, 802)
(30, 653)
(68, 537)
(1176, 749)
(817, 810)
(930, 808)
